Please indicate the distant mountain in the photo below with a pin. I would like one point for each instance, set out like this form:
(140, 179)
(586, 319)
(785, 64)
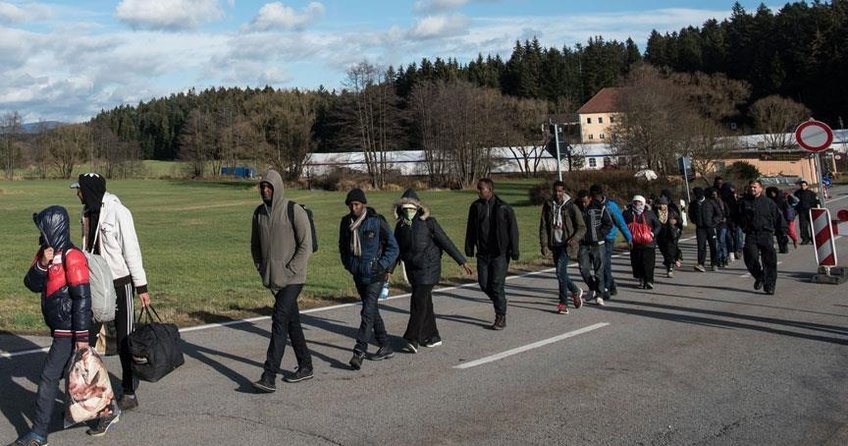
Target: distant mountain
(34, 127)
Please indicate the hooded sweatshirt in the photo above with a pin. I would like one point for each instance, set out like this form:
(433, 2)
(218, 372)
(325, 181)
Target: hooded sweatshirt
(560, 224)
(280, 247)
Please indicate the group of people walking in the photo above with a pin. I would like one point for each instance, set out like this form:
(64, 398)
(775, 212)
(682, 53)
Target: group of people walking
(585, 228)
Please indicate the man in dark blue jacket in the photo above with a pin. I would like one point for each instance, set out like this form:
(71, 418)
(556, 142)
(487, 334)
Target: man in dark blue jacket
(597, 193)
(493, 231)
(369, 251)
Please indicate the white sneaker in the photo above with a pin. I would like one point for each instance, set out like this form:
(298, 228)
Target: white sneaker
(600, 301)
(732, 257)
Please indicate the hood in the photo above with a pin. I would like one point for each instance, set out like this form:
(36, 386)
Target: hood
(273, 178)
(410, 197)
(698, 192)
(54, 225)
(93, 187)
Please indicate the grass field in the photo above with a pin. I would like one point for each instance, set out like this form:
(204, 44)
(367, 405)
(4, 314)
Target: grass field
(195, 243)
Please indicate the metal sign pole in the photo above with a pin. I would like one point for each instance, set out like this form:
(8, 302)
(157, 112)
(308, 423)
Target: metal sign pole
(820, 178)
(559, 158)
(686, 179)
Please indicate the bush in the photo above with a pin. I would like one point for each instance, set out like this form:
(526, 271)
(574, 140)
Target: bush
(744, 171)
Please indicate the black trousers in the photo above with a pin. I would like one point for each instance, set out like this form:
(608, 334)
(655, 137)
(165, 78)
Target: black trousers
(53, 370)
(491, 276)
(422, 319)
(643, 261)
(285, 323)
(670, 251)
(124, 325)
(706, 236)
(761, 245)
(806, 227)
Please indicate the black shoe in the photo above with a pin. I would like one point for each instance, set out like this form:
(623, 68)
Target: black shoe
(410, 347)
(649, 286)
(301, 374)
(103, 425)
(758, 283)
(500, 322)
(613, 291)
(265, 385)
(356, 360)
(128, 402)
(30, 439)
(385, 352)
(434, 341)
(769, 291)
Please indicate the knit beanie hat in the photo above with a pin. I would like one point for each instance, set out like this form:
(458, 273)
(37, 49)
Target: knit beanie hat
(355, 194)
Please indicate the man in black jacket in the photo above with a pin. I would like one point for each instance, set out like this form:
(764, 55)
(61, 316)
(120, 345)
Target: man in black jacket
(705, 215)
(807, 200)
(591, 258)
(493, 231)
(421, 241)
(761, 220)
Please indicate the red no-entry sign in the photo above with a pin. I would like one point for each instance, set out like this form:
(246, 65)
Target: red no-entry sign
(814, 136)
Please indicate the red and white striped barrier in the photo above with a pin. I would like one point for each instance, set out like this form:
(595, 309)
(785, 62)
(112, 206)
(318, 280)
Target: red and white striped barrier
(823, 237)
(840, 225)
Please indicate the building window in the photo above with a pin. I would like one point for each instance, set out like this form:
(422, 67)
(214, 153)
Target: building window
(593, 162)
(600, 119)
(612, 119)
(607, 161)
(601, 136)
(588, 120)
(591, 136)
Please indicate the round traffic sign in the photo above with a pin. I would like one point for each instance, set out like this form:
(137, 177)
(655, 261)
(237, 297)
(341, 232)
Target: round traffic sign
(814, 136)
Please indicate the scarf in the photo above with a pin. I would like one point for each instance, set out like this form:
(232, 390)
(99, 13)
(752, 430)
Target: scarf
(406, 215)
(556, 208)
(662, 215)
(639, 208)
(355, 244)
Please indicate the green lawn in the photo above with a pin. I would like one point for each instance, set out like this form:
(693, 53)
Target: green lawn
(195, 243)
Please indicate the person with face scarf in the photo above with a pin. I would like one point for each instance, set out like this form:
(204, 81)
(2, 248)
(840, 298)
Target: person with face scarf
(108, 229)
(421, 241)
(644, 226)
(669, 234)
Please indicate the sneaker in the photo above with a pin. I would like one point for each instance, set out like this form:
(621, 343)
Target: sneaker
(433, 342)
(356, 360)
(732, 257)
(769, 291)
(590, 296)
(576, 299)
(301, 374)
(562, 309)
(410, 347)
(265, 385)
(103, 425)
(30, 439)
(714, 268)
(500, 322)
(649, 286)
(700, 268)
(385, 352)
(128, 402)
(738, 254)
(669, 273)
(758, 283)
(613, 291)
(600, 301)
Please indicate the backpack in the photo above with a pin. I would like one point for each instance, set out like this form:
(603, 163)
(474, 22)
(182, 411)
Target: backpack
(311, 222)
(100, 280)
(789, 213)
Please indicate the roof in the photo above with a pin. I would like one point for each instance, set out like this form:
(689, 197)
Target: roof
(603, 101)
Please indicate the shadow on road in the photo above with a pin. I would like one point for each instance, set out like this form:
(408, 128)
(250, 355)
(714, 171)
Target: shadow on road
(16, 402)
(721, 323)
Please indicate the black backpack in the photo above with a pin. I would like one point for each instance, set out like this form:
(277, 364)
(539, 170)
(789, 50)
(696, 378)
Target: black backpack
(311, 222)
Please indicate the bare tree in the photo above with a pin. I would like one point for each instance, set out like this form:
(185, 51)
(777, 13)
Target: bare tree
(68, 145)
(196, 142)
(284, 119)
(39, 153)
(10, 131)
(776, 117)
(526, 132)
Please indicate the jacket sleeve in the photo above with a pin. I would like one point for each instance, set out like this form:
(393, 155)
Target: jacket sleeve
(76, 276)
(444, 242)
(618, 220)
(303, 239)
(131, 249)
(544, 233)
(471, 231)
(514, 251)
(344, 244)
(255, 248)
(654, 222)
(606, 223)
(36, 277)
(391, 250)
(780, 224)
(580, 224)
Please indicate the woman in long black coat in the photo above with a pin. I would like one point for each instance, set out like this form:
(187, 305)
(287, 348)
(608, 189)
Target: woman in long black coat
(643, 255)
(421, 240)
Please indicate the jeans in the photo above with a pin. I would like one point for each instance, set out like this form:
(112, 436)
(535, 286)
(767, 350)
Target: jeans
(285, 323)
(759, 245)
(124, 325)
(53, 370)
(491, 275)
(643, 261)
(592, 267)
(608, 249)
(422, 319)
(370, 314)
(706, 236)
(721, 244)
(566, 285)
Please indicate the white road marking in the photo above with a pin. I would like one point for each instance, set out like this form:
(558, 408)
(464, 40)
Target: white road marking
(527, 347)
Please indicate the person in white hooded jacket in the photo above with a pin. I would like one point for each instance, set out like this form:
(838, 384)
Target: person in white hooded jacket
(108, 230)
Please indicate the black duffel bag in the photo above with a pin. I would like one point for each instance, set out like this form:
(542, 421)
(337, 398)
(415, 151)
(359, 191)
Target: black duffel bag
(155, 347)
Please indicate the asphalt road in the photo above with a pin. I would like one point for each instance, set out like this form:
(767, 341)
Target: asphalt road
(700, 360)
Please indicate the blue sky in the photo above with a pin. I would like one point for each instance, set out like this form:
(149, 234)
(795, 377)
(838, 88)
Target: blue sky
(66, 60)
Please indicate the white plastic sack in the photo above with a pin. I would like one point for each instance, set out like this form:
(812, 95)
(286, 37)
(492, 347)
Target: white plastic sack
(88, 389)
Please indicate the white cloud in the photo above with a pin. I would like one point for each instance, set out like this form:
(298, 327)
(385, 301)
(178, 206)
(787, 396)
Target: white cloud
(170, 15)
(277, 15)
(432, 27)
(10, 13)
(438, 5)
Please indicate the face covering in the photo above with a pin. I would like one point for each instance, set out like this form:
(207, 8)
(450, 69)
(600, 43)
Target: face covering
(639, 207)
(408, 214)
